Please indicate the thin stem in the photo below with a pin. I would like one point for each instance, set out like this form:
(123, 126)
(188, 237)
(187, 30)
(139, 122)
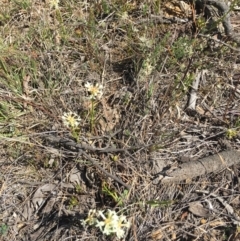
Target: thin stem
(92, 116)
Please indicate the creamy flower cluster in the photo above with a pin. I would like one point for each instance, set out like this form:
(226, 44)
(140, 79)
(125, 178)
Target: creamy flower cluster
(95, 91)
(54, 3)
(71, 120)
(108, 222)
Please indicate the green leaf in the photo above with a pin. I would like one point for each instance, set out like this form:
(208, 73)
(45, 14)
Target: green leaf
(156, 203)
(3, 229)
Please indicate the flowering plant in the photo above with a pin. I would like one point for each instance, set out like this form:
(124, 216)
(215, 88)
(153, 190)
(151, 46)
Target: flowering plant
(72, 120)
(108, 222)
(95, 92)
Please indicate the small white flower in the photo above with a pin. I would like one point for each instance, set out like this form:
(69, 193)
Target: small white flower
(71, 119)
(124, 16)
(91, 218)
(54, 3)
(105, 228)
(119, 232)
(95, 91)
(122, 222)
(145, 41)
(147, 67)
(134, 29)
(108, 222)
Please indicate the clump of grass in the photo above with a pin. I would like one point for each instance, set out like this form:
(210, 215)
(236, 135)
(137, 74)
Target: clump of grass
(118, 199)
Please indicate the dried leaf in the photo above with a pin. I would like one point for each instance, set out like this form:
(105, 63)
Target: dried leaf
(25, 86)
(157, 234)
(25, 89)
(41, 194)
(203, 221)
(184, 216)
(110, 117)
(197, 209)
(74, 176)
(217, 223)
(49, 206)
(178, 9)
(174, 236)
(27, 211)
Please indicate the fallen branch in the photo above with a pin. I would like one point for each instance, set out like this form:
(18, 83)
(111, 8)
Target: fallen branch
(191, 169)
(70, 144)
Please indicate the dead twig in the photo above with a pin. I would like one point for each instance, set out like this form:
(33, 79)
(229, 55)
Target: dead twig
(236, 218)
(73, 146)
(219, 41)
(70, 144)
(103, 170)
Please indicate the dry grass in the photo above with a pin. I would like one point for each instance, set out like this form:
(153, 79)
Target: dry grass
(147, 68)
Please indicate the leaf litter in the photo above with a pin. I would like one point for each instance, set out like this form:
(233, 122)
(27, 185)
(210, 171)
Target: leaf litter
(144, 106)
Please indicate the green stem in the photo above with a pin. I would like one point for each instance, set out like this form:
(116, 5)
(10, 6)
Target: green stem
(92, 116)
(75, 135)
